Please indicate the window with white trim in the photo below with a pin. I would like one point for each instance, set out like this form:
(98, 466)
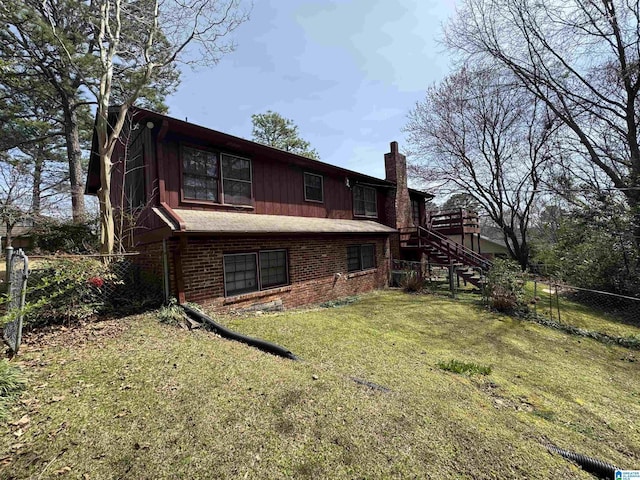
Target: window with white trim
(254, 271)
(313, 191)
(361, 257)
(364, 201)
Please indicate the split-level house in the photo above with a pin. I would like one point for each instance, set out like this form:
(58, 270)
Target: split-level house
(234, 224)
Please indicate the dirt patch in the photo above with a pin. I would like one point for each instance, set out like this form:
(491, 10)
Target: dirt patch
(520, 404)
(73, 335)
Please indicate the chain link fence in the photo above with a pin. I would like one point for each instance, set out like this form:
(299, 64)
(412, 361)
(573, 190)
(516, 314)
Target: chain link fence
(67, 288)
(563, 303)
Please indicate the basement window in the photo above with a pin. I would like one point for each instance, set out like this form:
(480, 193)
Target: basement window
(361, 257)
(251, 272)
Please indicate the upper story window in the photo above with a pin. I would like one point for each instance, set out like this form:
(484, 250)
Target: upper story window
(415, 211)
(364, 201)
(313, 187)
(134, 191)
(215, 178)
(199, 174)
(236, 180)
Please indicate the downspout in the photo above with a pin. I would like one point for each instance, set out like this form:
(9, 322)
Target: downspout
(160, 161)
(165, 270)
(177, 258)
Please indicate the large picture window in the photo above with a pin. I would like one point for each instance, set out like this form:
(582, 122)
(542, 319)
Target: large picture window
(250, 272)
(361, 257)
(313, 187)
(364, 201)
(210, 177)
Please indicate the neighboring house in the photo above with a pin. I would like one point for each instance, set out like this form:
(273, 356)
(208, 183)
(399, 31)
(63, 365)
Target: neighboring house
(21, 235)
(235, 224)
(491, 249)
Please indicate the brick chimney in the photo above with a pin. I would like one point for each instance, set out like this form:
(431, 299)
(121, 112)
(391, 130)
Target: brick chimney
(398, 205)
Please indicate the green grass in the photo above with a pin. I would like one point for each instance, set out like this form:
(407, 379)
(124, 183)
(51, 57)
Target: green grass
(155, 401)
(464, 368)
(579, 315)
(11, 384)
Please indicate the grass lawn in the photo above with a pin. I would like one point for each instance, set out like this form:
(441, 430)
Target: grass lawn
(578, 315)
(134, 398)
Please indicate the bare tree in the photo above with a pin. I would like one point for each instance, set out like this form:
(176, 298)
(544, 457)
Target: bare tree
(477, 134)
(165, 31)
(582, 59)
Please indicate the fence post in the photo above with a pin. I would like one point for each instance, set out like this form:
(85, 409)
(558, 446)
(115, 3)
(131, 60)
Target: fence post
(8, 266)
(452, 282)
(558, 302)
(535, 296)
(550, 301)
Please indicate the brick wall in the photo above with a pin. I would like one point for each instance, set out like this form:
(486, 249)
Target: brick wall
(398, 206)
(317, 269)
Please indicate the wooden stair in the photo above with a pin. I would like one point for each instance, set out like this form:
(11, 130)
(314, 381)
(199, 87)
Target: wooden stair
(439, 249)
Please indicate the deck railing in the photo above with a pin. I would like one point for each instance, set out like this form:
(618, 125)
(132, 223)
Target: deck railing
(451, 249)
(454, 221)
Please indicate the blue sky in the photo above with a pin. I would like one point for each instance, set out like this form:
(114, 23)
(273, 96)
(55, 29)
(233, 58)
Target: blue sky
(346, 72)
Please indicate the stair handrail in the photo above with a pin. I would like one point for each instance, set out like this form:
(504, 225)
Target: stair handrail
(455, 248)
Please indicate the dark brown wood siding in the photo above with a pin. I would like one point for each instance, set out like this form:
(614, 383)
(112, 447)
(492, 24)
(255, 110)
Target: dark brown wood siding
(278, 187)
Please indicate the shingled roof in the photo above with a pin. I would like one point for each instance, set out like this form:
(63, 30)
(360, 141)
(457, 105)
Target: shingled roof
(202, 221)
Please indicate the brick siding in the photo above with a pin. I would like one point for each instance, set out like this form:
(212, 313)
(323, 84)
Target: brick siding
(317, 269)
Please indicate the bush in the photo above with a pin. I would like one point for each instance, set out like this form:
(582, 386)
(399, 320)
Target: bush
(412, 282)
(505, 286)
(68, 237)
(171, 314)
(74, 289)
(11, 384)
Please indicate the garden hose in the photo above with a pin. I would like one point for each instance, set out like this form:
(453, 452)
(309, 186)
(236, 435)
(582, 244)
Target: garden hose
(230, 334)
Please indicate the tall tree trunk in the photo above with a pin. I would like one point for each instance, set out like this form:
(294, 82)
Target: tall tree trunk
(107, 233)
(74, 154)
(38, 166)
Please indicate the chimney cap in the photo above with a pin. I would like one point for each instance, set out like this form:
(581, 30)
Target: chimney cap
(394, 147)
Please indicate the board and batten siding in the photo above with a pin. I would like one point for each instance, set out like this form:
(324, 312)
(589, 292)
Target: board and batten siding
(278, 189)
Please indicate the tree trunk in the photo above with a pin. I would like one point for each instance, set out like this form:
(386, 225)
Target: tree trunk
(38, 166)
(74, 154)
(107, 233)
